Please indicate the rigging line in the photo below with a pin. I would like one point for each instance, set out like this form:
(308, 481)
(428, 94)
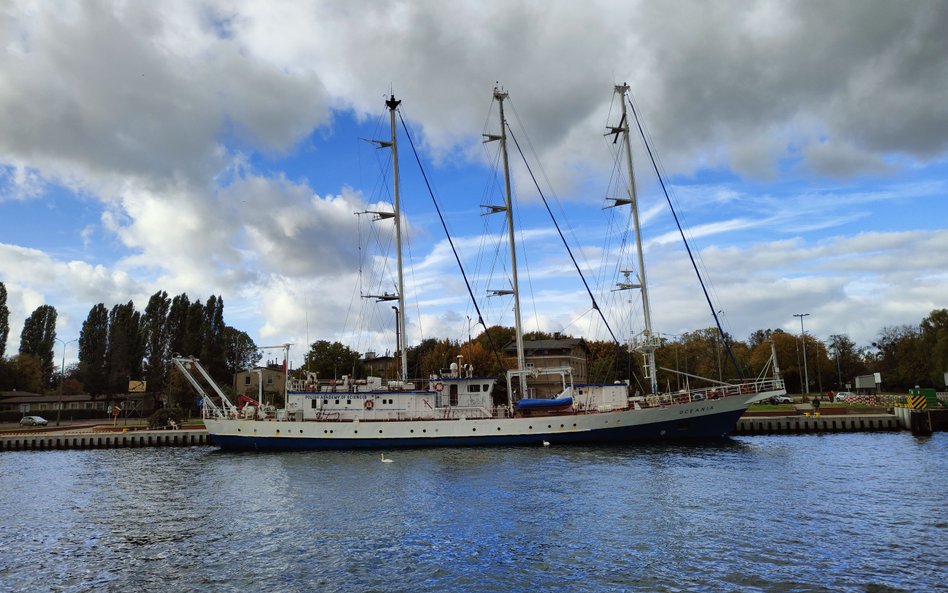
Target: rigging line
(546, 179)
(444, 225)
(661, 180)
(595, 305)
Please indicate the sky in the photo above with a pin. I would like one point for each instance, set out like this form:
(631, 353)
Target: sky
(220, 148)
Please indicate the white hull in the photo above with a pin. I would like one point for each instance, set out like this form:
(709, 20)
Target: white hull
(692, 420)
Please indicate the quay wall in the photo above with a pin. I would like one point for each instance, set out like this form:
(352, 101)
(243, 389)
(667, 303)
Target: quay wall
(751, 425)
(108, 440)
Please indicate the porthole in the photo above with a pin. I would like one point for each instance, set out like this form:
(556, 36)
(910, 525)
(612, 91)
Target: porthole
(531, 428)
(412, 431)
(380, 432)
(562, 426)
(498, 428)
(424, 430)
(473, 430)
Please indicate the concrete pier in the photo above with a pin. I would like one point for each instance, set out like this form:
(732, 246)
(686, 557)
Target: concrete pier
(751, 425)
(103, 440)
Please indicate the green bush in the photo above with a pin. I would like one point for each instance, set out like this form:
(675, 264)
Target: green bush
(163, 418)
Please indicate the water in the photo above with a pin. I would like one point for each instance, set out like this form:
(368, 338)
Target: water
(848, 512)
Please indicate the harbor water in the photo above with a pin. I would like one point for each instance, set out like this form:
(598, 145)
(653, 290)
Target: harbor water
(860, 512)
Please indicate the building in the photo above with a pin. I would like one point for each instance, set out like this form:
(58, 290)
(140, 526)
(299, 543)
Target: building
(272, 377)
(558, 352)
(78, 406)
(379, 366)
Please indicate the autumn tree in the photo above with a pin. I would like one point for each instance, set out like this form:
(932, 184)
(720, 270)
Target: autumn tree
(934, 345)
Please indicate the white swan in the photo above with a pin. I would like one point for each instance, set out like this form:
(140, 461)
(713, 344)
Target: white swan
(546, 443)
(386, 460)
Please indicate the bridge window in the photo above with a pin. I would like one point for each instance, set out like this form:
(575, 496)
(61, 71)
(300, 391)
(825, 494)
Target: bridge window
(474, 388)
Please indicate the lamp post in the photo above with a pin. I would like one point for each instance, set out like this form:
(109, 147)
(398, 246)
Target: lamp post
(62, 374)
(806, 373)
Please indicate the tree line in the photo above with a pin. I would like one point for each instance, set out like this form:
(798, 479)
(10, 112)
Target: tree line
(905, 356)
(123, 344)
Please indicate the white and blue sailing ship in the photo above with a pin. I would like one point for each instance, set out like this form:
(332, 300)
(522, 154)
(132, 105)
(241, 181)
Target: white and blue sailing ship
(456, 408)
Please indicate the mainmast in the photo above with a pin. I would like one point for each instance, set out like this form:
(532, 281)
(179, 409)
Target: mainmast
(500, 96)
(648, 343)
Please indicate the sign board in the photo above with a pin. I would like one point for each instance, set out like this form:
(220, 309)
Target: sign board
(136, 386)
(24, 408)
(866, 382)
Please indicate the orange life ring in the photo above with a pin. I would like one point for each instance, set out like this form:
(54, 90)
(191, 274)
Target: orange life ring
(369, 404)
(439, 386)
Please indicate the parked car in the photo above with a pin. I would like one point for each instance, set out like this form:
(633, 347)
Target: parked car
(781, 399)
(842, 396)
(33, 421)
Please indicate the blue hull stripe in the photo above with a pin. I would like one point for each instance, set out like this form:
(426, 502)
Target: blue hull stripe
(705, 427)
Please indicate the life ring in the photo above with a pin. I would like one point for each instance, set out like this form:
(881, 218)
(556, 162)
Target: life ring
(439, 386)
(369, 404)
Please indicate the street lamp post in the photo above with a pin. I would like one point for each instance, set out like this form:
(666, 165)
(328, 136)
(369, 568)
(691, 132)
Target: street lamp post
(62, 375)
(806, 373)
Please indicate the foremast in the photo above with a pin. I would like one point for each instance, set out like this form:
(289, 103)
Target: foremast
(401, 336)
(392, 105)
(648, 342)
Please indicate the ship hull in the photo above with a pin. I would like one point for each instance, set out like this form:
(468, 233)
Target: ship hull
(692, 421)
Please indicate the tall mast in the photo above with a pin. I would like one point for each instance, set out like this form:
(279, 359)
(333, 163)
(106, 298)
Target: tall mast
(500, 96)
(392, 104)
(647, 344)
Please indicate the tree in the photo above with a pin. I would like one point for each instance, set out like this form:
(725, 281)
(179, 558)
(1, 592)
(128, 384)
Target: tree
(93, 350)
(26, 373)
(433, 355)
(897, 356)
(177, 324)
(194, 330)
(4, 321)
(38, 338)
(155, 333)
(240, 351)
(332, 359)
(935, 344)
(125, 348)
(213, 350)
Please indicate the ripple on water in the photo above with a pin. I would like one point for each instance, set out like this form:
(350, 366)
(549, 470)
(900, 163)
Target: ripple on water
(771, 514)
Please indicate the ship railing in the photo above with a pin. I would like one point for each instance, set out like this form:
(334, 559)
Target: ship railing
(714, 392)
